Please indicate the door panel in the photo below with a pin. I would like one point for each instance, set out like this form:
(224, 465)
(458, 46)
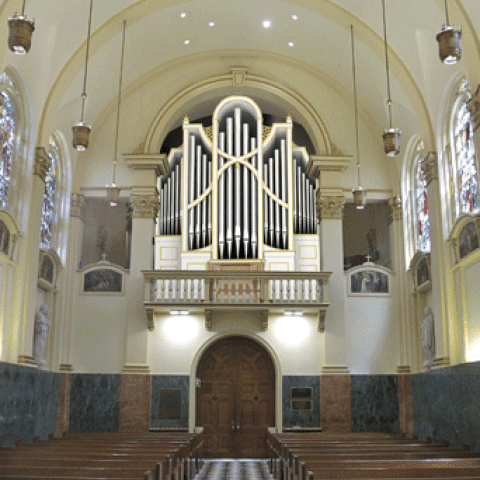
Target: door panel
(236, 399)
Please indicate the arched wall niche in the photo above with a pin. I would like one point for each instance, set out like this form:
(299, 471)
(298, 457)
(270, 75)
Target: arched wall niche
(209, 343)
(277, 99)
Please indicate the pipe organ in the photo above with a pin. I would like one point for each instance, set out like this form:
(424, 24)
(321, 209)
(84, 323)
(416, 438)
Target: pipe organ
(237, 189)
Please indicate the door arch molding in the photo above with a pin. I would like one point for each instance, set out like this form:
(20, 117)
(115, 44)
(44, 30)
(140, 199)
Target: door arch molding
(210, 342)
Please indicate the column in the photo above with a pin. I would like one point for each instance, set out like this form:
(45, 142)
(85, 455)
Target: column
(335, 381)
(441, 296)
(27, 319)
(74, 256)
(397, 255)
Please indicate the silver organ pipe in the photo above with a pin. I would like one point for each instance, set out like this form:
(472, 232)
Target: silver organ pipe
(221, 199)
(170, 200)
(304, 203)
(254, 200)
(229, 190)
(198, 187)
(177, 198)
(277, 193)
(204, 202)
(245, 195)
(209, 204)
(295, 195)
(284, 177)
(238, 188)
(191, 192)
(266, 211)
(271, 222)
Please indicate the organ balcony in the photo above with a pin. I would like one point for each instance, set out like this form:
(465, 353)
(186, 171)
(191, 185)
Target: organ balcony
(203, 291)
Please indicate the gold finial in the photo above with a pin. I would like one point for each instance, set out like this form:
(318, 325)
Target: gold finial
(185, 119)
(289, 118)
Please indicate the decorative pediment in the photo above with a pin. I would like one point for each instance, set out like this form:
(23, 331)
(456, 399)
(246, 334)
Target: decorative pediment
(49, 264)
(369, 280)
(103, 278)
(465, 235)
(421, 270)
(9, 234)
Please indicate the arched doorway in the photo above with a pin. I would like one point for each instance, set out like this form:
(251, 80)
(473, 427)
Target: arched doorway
(236, 398)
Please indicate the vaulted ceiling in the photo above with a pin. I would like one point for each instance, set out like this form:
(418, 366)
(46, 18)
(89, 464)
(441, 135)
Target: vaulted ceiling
(313, 35)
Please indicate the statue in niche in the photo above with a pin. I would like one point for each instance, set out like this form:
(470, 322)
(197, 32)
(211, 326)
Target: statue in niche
(372, 245)
(102, 236)
(428, 338)
(42, 324)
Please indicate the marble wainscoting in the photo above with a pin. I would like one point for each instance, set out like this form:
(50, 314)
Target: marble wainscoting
(28, 403)
(301, 418)
(165, 390)
(94, 402)
(375, 406)
(446, 405)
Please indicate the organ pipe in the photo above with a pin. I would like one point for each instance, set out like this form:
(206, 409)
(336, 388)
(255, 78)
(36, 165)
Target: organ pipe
(221, 199)
(254, 202)
(237, 171)
(191, 191)
(229, 189)
(277, 193)
(246, 190)
(284, 177)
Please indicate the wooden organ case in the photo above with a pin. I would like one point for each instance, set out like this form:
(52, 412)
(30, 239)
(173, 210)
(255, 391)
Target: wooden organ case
(237, 194)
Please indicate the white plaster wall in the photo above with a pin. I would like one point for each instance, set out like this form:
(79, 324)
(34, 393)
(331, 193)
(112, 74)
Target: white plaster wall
(371, 334)
(176, 340)
(98, 334)
(472, 307)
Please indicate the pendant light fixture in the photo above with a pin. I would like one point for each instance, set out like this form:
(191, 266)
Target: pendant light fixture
(81, 131)
(391, 136)
(113, 191)
(359, 194)
(449, 42)
(20, 32)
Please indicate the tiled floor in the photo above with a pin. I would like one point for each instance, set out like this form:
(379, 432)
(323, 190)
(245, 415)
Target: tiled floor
(234, 469)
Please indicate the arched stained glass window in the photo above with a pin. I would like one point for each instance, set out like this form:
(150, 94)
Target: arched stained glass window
(7, 137)
(48, 208)
(467, 181)
(422, 219)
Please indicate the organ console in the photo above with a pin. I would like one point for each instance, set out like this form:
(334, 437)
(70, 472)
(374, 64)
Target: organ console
(239, 188)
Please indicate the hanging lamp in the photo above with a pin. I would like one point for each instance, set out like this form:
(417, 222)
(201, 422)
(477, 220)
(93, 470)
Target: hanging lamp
(391, 136)
(113, 190)
(449, 42)
(20, 32)
(359, 194)
(81, 130)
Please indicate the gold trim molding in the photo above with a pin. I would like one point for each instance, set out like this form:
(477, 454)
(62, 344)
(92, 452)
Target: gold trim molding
(66, 367)
(144, 206)
(27, 360)
(441, 362)
(42, 163)
(404, 369)
(335, 370)
(330, 207)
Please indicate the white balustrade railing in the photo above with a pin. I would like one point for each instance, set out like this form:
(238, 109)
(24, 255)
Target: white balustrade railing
(180, 287)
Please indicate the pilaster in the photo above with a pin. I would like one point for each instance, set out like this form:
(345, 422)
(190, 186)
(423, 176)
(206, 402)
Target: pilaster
(397, 255)
(430, 165)
(144, 208)
(330, 204)
(41, 166)
(73, 261)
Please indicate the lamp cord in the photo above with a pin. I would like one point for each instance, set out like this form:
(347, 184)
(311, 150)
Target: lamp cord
(119, 99)
(84, 93)
(355, 100)
(446, 12)
(387, 65)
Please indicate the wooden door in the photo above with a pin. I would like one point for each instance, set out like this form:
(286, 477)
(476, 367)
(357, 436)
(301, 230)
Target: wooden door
(236, 398)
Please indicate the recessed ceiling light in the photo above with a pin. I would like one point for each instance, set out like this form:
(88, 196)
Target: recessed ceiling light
(267, 23)
(183, 15)
(294, 17)
(291, 44)
(186, 42)
(211, 24)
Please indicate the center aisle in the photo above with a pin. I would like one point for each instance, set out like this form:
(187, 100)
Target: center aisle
(234, 469)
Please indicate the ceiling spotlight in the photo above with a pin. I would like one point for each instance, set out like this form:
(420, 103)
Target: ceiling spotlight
(291, 44)
(186, 42)
(294, 17)
(267, 23)
(183, 15)
(211, 24)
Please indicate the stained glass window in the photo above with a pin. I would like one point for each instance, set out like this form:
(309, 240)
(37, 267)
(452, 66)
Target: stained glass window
(467, 182)
(422, 218)
(48, 208)
(7, 136)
